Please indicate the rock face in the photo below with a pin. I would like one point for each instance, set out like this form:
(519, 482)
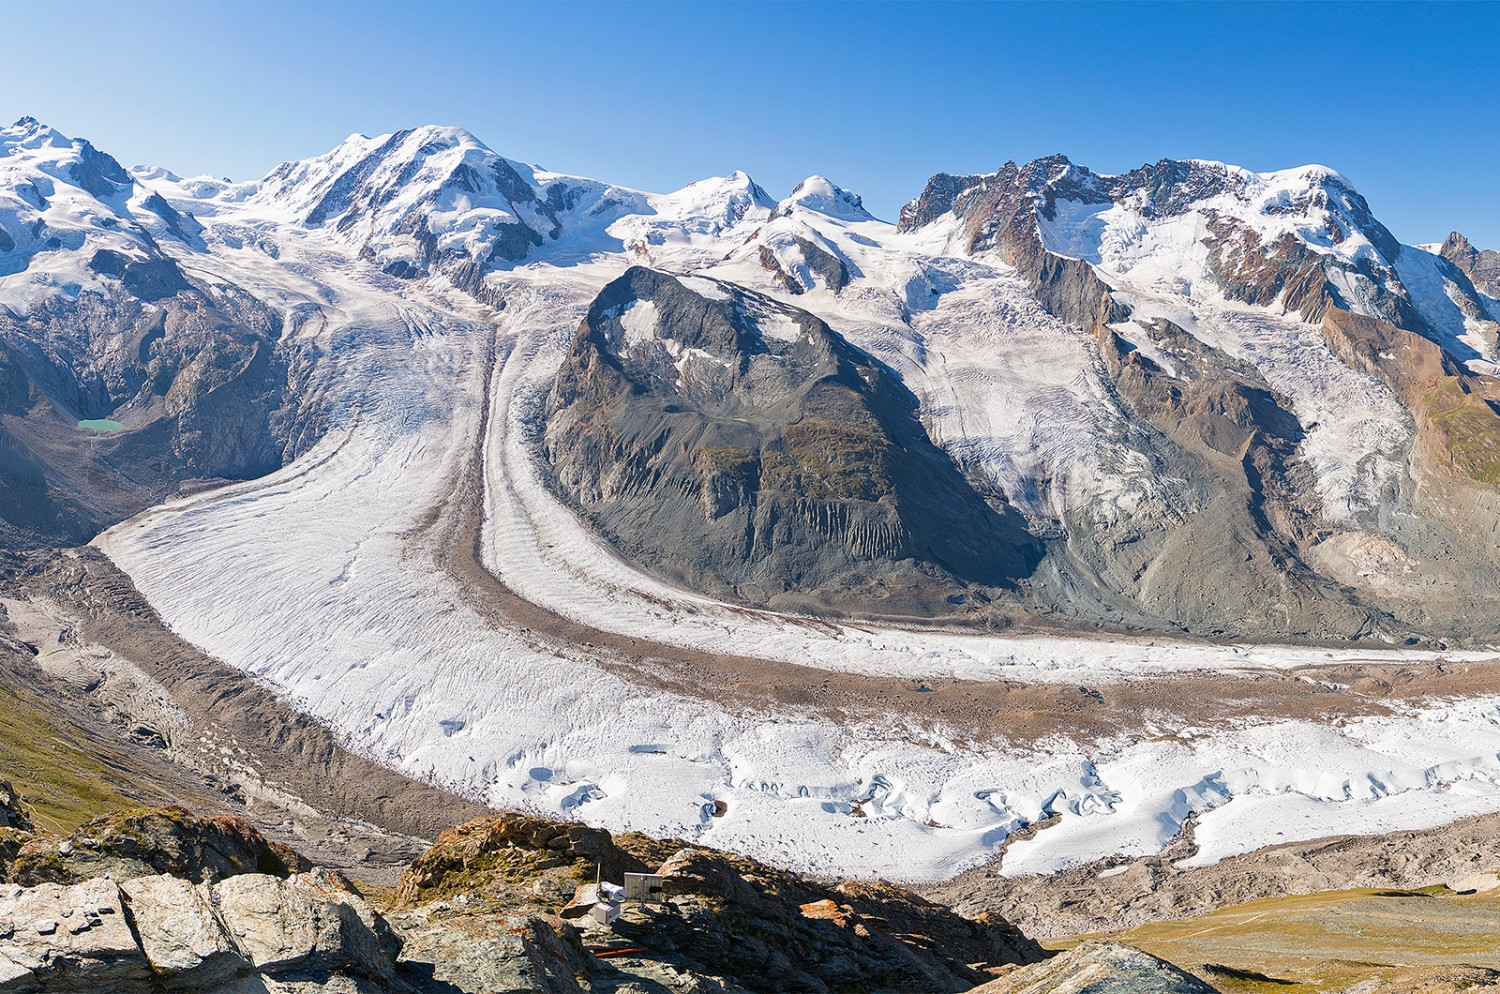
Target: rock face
(163, 840)
(1481, 265)
(478, 913)
(725, 919)
(166, 933)
(740, 444)
(1099, 968)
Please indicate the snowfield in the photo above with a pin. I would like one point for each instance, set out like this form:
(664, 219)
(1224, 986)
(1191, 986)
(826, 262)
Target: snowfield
(327, 578)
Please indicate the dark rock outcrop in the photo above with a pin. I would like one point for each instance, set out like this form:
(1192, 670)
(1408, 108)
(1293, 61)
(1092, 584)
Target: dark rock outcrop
(769, 931)
(1482, 266)
(740, 923)
(154, 841)
(13, 814)
(742, 445)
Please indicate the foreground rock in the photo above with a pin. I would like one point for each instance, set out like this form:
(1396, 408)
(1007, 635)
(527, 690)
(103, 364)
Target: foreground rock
(1099, 968)
(147, 842)
(165, 933)
(479, 912)
(729, 921)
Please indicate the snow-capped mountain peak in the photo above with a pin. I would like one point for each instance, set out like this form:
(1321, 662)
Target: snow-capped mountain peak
(29, 133)
(816, 193)
(720, 200)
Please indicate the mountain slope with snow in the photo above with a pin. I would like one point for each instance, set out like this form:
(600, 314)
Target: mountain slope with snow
(1213, 401)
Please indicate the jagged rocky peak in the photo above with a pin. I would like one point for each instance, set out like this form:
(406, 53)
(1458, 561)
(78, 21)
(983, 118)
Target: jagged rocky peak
(721, 437)
(1482, 266)
(817, 194)
(1295, 241)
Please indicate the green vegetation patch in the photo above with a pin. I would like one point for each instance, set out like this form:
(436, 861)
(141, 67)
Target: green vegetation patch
(714, 461)
(62, 780)
(830, 460)
(1329, 941)
(1468, 430)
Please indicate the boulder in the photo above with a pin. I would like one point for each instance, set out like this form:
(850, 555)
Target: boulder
(503, 953)
(1098, 968)
(67, 938)
(183, 941)
(302, 923)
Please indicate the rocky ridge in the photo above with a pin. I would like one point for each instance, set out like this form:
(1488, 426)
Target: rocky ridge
(1482, 266)
(207, 904)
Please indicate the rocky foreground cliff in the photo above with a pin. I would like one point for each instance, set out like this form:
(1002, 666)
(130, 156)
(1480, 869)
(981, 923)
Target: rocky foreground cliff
(163, 900)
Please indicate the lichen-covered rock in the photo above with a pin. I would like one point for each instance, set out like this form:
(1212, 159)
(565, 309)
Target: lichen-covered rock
(511, 859)
(151, 842)
(479, 908)
(768, 930)
(1098, 968)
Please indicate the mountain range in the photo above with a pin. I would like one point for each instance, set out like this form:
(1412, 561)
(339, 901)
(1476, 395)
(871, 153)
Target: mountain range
(1190, 398)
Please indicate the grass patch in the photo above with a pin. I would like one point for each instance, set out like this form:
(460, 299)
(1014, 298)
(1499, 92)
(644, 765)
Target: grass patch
(1467, 430)
(1329, 941)
(715, 461)
(65, 776)
(841, 460)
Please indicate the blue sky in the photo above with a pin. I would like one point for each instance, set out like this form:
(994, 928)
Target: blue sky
(1403, 99)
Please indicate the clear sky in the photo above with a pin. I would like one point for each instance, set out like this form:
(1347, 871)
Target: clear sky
(1403, 99)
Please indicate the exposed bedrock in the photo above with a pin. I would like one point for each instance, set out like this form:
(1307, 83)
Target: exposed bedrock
(195, 383)
(741, 445)
(1225, 555)
(1482, 266)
